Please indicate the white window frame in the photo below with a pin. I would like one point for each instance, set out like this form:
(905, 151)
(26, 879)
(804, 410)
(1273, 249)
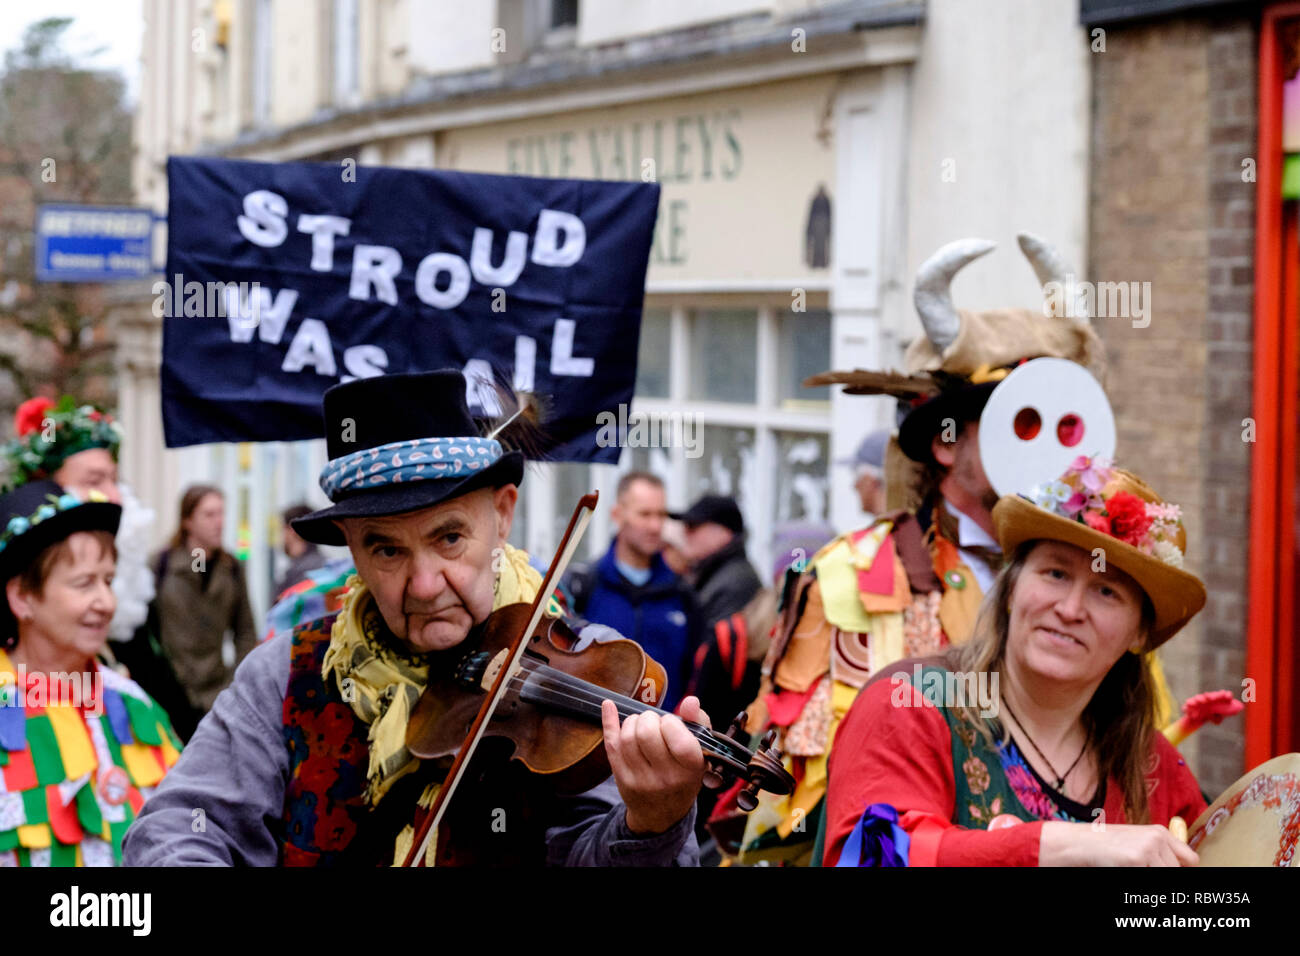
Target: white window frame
(764, 417)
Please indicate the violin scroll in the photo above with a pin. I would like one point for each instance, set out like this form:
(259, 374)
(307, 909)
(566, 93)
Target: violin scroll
(765, 773)
(716, 774)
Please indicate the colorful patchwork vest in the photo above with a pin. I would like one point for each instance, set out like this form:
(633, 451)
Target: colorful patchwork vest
(326, 819)
(73, 778)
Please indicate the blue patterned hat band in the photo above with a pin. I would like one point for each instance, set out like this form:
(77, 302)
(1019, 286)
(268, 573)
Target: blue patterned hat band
(419, 459)
(21, 524)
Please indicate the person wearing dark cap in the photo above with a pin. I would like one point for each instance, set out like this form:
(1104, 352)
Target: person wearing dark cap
(303, 760)
(721, 574)
(81, 746)
(304, 556)
(724, 673)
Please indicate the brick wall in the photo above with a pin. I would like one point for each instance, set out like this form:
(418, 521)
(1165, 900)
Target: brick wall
(1173, 116)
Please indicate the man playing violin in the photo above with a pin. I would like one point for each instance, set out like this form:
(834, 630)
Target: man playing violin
(303, 760)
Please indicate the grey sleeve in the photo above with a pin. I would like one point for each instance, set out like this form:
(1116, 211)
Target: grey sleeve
(590, 831)
(234, 770)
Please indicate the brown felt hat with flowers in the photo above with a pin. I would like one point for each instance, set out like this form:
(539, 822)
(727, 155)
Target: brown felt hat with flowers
(1095, 505)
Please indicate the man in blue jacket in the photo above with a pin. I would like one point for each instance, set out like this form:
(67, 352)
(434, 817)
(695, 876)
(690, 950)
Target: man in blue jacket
(634, 592)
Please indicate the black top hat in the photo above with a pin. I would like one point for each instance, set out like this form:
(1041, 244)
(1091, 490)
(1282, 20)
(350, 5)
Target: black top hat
(715, 509)
(368, 413)
(41, 513)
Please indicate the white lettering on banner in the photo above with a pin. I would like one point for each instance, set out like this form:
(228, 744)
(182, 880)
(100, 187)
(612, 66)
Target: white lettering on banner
(559, 241)
(426, 280)
(364, 361)
(323, 229)
(377, 266)
(562, 360)
(480, 258)
(263, 222)
(546, 248)
(311, 346)
(525, 362)
(247, 309)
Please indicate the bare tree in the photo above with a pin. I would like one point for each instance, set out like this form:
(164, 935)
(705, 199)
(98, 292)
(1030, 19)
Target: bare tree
(65, 136)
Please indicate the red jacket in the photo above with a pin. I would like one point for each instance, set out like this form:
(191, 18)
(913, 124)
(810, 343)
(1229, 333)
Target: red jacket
(902, 756)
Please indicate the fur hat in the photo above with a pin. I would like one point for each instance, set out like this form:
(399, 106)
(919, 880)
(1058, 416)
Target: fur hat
(951, 371)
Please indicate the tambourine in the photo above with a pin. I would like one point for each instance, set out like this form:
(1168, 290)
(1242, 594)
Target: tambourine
(1256, 821)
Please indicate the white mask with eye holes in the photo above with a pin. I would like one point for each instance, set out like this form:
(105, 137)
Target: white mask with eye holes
(1043, 416)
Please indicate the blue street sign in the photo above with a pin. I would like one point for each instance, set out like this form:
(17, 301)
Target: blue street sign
(93, 243)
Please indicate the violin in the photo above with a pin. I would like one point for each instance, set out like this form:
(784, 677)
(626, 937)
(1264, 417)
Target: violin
(528, 681)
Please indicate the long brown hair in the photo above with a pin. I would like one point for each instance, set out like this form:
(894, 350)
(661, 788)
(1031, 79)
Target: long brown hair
(189, 501)
(1119, 720)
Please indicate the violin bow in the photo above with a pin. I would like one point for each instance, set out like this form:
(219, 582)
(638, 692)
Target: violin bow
(568, 547)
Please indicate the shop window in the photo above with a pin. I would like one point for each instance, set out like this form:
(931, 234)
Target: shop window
(652, 356)
(725, 466)
(724, 355)
(804, 349)
(802, 465)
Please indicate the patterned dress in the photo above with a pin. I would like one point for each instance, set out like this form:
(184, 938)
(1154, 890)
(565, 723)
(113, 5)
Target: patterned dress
(75, 771)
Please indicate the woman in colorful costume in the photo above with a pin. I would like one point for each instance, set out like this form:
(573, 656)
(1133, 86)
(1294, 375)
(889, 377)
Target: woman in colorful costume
(81, 747)
(1056, 759)
(77, 446)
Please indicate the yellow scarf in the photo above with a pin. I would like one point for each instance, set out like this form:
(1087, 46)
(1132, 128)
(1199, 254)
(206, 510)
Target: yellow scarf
(381, 682)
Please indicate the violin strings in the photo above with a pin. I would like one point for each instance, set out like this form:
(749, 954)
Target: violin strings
(544, 694)
(554, 683)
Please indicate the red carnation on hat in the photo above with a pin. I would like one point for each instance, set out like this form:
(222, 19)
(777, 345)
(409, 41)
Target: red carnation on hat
(1128, 517)
(1097, 521)
(30, 415)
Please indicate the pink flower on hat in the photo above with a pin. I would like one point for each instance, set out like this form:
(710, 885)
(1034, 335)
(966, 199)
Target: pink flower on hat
(1093, 473)
(1074, 504)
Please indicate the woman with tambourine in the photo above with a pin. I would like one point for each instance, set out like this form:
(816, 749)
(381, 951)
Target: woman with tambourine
(1061, 762)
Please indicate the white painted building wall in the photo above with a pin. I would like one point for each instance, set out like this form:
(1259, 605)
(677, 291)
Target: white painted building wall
(1001, 88)
(997, 98)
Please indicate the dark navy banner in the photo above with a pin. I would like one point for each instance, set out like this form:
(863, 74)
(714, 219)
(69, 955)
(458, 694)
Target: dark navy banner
(286, 278)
